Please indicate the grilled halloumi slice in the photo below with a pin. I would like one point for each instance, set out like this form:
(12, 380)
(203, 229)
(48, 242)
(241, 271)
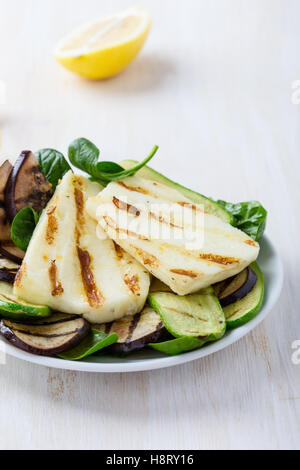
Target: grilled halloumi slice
(177, 241)
(73, 267)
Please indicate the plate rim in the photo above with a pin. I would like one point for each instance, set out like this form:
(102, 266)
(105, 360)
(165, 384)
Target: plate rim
(163, 362)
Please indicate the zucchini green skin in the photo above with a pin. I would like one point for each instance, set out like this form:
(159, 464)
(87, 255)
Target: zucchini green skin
(251, 312)
(211, 206)
(12, 310)
(20, 312)
(179, 345)
(186, 343)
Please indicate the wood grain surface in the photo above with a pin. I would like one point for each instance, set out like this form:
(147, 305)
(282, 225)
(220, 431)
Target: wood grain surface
(214, 88)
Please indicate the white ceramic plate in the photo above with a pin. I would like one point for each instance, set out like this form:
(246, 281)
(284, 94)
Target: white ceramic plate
(148, 359)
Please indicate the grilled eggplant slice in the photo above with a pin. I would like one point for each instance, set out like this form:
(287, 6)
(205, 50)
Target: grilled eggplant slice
(220, 286)
(5, 171)
(8, 270)
(135, 332)
(12, 252)
(48, 337)
(8, 275)
(238, 287)
(26, 186)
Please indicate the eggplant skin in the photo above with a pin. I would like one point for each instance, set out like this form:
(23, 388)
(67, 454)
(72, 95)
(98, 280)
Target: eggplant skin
(26, 186)
(243, 291)
(8, 270)
(7, 331)
(7, 275)
(12, 252)
(5, 171)
(139, 344)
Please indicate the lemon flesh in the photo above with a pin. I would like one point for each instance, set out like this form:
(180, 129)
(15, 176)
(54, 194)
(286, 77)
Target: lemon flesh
(104, 48)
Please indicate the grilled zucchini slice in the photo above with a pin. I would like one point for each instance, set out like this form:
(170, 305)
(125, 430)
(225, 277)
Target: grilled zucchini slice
(193, 320)
(14, 308)
(241, 312)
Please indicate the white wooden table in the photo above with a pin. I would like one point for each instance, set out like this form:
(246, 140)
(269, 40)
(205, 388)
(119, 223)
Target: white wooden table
(213, 87)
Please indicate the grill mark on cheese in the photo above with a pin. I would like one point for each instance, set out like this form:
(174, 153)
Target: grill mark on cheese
(251, 243)
(93, 294)
(79, 202)
(123, 206)
(51, 210)
(56, 286)
(133, 284)
(189, 205)
(110, 222)
(162, 220)
(136, 189)
(122, 231)
(183, 272)
(131, 234)
(218, 259)
(52, 225)
(223, 260)
(119, 251)
(95, 298)
(147, 258)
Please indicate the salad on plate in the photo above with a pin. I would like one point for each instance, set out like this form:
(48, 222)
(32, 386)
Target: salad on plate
(118, 257)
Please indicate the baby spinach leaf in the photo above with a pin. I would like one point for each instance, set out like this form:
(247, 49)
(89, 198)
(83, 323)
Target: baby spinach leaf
(53, 165)
(126, 173)
(23, 227)
(109, 167)
(250, 217)
(94, 342)
(84, 155)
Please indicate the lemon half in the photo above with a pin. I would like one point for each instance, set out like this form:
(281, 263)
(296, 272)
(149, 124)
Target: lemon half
(104, 48)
